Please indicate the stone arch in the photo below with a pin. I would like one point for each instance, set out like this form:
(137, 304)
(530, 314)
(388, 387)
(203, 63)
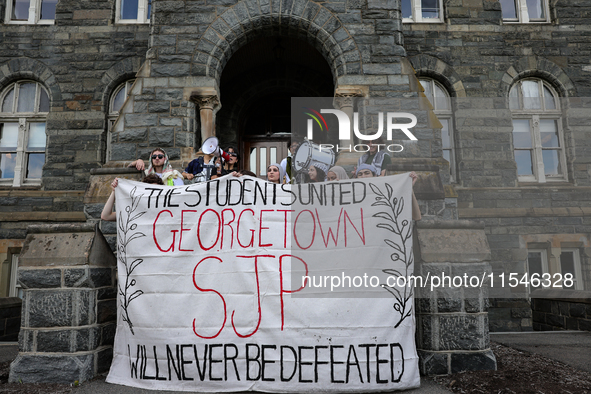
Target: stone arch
(302, 19)
(538, 67)
(117, 74)
(432, 67)
(26, 68)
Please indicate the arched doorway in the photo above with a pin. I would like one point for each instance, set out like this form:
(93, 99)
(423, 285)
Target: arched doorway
(256, 88)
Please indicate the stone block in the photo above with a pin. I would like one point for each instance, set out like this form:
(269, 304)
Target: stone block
(162, 136)
(106, 311)
(101, 277)
(76, 277)
(461, 332)
(123, 152)
(563, 308)
(140, 120)
(473, 361)
(572, 323)
(577, 310)
(433, 363)
(54, 341)
(40, 278)
(452, 245)
(107, 334)
(555, 320)
(585, 324)
(48, 308)
(52, 369)
(103, 360)
(86, 339)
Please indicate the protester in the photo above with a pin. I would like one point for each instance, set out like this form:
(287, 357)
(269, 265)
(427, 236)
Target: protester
(336, 173)
(107, 214)
(275, 173)
(365, 171)
(195, 171)
(378, 158)
(160, 165)
(247, 172)
(223, 167)
(316, 173)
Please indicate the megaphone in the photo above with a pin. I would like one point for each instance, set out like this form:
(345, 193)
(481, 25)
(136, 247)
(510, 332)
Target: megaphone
(212, 146)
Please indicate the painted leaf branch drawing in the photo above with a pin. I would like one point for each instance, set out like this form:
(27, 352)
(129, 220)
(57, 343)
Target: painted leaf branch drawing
(402, 232)
(127, 233)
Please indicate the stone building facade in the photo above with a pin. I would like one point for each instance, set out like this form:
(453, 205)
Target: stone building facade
(195, 68)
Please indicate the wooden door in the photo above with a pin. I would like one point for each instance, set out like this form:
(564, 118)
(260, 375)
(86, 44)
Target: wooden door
(259, 154)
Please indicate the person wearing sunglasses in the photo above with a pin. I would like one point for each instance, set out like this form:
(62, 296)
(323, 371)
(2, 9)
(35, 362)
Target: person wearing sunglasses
(160, 166)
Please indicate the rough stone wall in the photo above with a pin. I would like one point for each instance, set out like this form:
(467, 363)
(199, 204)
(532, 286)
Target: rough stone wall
(474, 54)
(80, 60)
(562, 314)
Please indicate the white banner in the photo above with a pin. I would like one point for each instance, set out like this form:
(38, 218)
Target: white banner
(239, 284)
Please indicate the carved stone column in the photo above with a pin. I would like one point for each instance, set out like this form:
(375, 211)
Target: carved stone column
(344, 100)
(207, 99)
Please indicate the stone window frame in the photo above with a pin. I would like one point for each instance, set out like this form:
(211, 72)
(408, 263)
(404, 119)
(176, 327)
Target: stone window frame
(535, 115)
(522, 13)
(24, 119)
(417, 14)
(34, 14)
(444, 114)
(14, 287)
(113, 113)
(144, 11)
(556, 267)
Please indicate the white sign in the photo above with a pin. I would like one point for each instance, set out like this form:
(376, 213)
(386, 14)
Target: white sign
(239, 284)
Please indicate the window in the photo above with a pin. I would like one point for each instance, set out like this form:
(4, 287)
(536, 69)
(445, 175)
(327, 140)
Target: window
(133, 11)
(568, 263)
(537, 263)
(425, 11)
(525, 11)
(115, 103)
(22, 133)
(30, 11)
(441, 102)
(14, 289)
(538, 141)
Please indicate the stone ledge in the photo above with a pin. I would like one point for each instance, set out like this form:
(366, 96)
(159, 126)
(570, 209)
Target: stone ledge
(42, 217)
(449, 224)
(61, 228)
(579, 296)
(522, 212)
(32, 193)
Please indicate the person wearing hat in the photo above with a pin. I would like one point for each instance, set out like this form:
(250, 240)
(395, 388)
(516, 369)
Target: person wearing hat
(317, 172)
(365, 171)
(275, 173)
